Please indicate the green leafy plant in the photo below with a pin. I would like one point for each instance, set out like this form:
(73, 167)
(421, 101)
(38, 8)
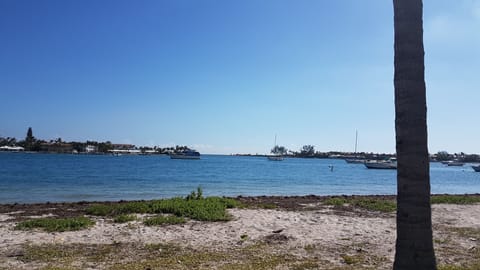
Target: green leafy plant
(124, 218)
(164, 220)
(56, 224)
(198, 195)
(194, 206)
(455, 199)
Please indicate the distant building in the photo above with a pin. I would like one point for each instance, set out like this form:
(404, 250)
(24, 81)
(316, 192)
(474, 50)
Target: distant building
(56, 147)
(91, 149)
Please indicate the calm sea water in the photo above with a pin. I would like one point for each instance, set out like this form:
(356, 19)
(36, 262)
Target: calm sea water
(27, 178)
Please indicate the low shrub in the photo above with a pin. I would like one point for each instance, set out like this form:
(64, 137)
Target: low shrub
(455, 199)
(194, 206)
(164, 220)
(372, 204)
(336, 201)
(56, 224)
(124, 218)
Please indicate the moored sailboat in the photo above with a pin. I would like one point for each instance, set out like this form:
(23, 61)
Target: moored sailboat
(277, 155)
(355, 159)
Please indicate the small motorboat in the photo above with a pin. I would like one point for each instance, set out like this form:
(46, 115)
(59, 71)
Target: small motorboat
(455, 163)
(275, 158)
(390, 164)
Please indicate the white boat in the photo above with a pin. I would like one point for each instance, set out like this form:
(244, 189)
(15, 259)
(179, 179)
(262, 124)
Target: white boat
(188, 154)
(12, 148)
(275, 156)
(455, 163)
(390, 164)
(476, 168)
(355, 160)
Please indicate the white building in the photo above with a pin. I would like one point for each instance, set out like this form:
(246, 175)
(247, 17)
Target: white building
(90, 148)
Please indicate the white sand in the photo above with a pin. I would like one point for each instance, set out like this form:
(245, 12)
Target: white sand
(318, 228)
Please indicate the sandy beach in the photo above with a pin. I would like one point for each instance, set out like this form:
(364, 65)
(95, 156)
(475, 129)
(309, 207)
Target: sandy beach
(299, 233)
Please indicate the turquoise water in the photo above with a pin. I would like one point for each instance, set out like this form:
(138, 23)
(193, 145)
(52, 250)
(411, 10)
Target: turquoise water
(27, 178)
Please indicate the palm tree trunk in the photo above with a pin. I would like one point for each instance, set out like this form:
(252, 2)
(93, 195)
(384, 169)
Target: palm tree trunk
(414, 246)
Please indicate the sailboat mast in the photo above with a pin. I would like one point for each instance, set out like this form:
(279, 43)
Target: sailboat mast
(356, 140)
(275, 143)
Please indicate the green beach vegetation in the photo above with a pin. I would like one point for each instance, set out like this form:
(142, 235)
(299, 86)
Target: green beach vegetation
(164, 220)
(56, 224)
(385, 204)
(249, 252)
(194, 206)
(124, 218)
(371, 204)
(454, 199)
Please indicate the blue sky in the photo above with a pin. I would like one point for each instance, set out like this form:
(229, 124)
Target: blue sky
(226, 76)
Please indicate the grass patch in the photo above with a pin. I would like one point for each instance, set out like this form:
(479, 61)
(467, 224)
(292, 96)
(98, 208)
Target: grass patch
(372, 204)
(387, 205)
(350, 259)
(208, 209)
(475, 266)
(455, 199)
(164, 249)
(164, 220)
(193, 206)
(466, 232)
(72, 256)
(336, 201)
(57, 268)
(375, 204)
(130, 256)
(203, 209)
(47, 253)
(306, 265)
(100, 210)
(267, 206)
(56, 224)
(124, 218)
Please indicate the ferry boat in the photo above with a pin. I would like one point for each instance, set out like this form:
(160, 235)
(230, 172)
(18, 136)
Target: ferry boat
(187, 154)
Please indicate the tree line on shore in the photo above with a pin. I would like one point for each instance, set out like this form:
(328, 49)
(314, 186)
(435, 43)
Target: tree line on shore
(308, 151)
(30, 143)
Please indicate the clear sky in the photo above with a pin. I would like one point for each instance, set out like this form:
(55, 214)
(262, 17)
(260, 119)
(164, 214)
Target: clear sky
(225, 76)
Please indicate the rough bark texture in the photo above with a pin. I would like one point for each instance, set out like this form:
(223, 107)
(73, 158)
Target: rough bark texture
(414, 246)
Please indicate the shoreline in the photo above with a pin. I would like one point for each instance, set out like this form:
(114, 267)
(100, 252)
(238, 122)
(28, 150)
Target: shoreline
(290, 203)
(308, 197)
